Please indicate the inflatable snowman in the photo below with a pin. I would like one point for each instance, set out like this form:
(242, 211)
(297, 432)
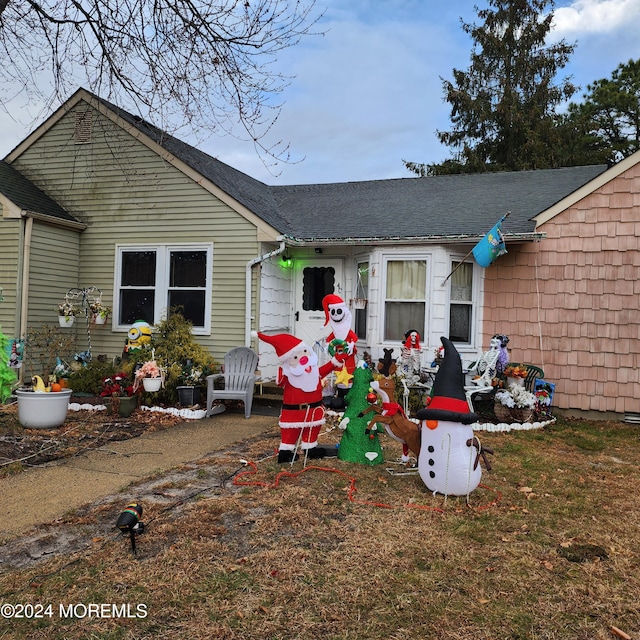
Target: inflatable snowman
(449, 460)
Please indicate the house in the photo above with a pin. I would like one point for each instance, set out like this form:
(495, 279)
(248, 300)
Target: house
(97, 197)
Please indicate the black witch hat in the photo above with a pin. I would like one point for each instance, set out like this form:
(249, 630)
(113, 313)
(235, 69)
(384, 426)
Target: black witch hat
(449, 401)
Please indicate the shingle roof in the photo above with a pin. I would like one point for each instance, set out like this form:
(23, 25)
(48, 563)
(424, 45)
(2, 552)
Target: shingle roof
(434, 207)
(27, 196)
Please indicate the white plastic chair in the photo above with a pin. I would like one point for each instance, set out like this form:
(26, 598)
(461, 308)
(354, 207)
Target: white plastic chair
(239, 379)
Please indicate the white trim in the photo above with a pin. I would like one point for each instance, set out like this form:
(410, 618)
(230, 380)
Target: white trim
(161, 286)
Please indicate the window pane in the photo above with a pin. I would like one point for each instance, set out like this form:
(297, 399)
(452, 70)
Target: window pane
(317, 282)
(462, 281)
(402, 316)
(460, 323)
(191, 303)
(138, 269)
(406, 279)
(136, 304)
(188, 269)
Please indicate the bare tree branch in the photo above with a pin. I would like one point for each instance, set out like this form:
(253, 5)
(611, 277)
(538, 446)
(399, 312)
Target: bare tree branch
(209, 65)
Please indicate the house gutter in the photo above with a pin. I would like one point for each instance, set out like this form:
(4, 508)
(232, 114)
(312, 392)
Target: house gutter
(382, 240)
(248, 292)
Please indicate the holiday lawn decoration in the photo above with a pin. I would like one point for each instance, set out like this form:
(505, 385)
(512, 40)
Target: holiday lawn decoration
(449, 460)
(303, 414)
(356, 444)
(391, 418)
(343, 339)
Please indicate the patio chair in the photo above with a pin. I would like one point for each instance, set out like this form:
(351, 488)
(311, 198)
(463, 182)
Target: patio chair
(239, 379)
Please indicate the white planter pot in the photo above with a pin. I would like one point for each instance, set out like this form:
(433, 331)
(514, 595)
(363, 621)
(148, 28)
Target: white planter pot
(66, 322)
(152, 384)
(42, 410)
(99, 319)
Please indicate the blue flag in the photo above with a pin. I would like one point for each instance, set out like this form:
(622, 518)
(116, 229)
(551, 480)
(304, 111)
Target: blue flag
(492, 246)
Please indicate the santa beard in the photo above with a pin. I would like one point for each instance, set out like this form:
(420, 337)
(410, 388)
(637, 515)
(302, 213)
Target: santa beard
(304, 377)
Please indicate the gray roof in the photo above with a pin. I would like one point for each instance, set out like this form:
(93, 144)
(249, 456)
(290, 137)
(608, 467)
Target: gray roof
(27, 196)
(435, 208)
(457, 206)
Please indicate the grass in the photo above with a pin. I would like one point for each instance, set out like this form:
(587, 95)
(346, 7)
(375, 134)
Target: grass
(547, 548)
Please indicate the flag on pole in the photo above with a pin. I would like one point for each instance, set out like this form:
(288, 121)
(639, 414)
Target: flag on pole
(492, 246)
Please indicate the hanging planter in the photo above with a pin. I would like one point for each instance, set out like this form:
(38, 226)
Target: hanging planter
(66, 321)
(359, 303)
(152, 384)
(360, 300)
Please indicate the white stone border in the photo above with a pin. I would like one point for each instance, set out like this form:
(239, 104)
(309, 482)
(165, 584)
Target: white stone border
(514, 426)
(188, 414)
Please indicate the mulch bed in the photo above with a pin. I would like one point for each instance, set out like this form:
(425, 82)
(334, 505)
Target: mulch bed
(21, 448)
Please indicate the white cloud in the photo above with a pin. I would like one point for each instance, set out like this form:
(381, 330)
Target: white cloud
(597, 16)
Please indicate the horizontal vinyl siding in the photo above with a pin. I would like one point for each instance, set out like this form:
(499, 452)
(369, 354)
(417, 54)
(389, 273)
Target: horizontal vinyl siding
(127, 194)
(9, 278)
(53, 271)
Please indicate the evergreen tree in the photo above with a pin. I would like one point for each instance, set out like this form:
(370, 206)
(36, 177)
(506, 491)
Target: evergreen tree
(356, 445)
(608, 121)
(503, 106)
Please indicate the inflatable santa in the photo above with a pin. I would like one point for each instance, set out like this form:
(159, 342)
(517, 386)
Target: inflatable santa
(302, 414)
(449, 460)
(341, 341)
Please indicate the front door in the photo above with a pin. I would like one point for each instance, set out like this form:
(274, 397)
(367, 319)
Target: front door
(315, 278)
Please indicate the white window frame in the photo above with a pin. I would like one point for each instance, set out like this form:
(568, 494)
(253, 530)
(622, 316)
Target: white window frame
(163, 252)
(475, 297)
(403, 257)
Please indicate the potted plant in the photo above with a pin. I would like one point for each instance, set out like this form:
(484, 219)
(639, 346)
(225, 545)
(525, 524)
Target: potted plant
(514, 404)
(66, 313)
(515, 374)
(121, 393)
(188, 384)
(99, 312)
(42, 407)
(151, 376)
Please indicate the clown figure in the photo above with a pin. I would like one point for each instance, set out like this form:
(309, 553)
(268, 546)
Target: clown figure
(341, 340)
(449, 460)
(303, 414)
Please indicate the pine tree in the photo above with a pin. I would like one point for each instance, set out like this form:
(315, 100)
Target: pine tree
(356, 445)
(503, 106)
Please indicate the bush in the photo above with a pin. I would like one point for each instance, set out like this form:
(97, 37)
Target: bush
(89, 379)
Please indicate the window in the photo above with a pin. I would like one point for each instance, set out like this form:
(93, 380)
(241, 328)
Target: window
(461, 302)
(405, 297)
(152, 279)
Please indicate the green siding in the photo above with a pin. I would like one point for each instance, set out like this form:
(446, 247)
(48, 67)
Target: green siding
(126, 193)
(9, 276)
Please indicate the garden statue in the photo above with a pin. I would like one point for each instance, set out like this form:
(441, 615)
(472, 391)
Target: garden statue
(410, 355)
(449, 452)
(139, 335)
(492, 362)
(302, 414)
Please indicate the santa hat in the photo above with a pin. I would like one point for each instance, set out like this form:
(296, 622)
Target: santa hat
(449, 401)
(284, 343)
(331, 300)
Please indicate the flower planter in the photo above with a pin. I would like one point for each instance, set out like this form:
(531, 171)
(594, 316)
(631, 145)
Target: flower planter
(99, 318)
(515, 414)
(42, 410)
(124, 406)
(152, 384)
(359, 303)
(188, 396)
(66, 322)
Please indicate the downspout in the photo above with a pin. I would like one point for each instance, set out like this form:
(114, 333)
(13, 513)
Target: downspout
(24, 289)
(248, 292)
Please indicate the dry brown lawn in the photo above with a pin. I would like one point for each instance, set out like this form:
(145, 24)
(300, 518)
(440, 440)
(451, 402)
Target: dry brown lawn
(546, 548)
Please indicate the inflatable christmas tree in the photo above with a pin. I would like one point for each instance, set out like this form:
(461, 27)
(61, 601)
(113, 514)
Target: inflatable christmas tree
(356, 445)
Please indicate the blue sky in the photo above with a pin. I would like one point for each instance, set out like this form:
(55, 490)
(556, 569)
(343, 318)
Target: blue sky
(368, 93)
